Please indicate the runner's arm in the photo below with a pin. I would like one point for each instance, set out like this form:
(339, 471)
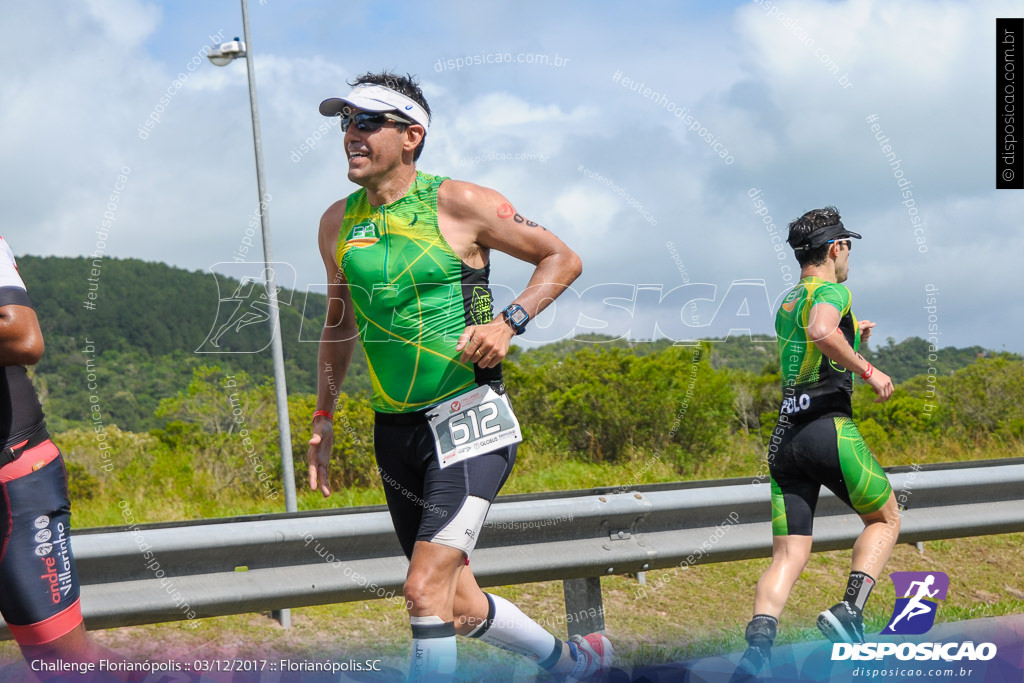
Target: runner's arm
(21, 340)
(497, 225)
(339, 337)
(824, 331)
(337, 344)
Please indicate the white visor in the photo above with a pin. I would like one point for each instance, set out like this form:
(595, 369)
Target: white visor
(372, 97)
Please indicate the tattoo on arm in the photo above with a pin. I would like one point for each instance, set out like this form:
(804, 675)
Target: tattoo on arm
(519, 219)
(506, 211)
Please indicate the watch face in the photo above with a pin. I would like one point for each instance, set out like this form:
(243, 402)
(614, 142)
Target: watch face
(518, 316)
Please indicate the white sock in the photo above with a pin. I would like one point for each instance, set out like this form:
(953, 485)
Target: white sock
(433, 650)
(509, 629)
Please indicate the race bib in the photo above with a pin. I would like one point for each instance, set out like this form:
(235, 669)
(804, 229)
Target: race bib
(471, 424)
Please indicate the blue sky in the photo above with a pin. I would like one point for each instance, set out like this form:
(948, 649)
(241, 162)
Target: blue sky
(617, 174)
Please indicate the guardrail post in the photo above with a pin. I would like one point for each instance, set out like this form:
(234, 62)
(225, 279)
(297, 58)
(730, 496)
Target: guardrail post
(584, 606)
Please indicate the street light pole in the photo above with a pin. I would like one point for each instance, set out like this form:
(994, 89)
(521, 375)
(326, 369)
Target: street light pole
(221, 56)
(284, 616)
(276, 350)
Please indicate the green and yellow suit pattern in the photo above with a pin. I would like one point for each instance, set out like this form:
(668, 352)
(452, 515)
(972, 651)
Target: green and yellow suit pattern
(780, 523)
(863, 479)
(412, 297)
(802, 362)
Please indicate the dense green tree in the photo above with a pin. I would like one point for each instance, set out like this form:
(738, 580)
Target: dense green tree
(607, 404)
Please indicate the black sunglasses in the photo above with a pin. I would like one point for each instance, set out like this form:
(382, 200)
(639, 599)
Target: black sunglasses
(370, 121)
(848, 242)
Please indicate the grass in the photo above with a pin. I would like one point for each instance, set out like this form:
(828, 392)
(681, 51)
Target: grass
(535, 471)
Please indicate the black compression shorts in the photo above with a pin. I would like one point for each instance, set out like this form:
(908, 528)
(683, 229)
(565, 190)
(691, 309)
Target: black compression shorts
(426, 502)
(827, 451)
(39, 593)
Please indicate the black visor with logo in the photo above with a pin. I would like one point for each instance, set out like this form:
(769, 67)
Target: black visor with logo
(824, 235)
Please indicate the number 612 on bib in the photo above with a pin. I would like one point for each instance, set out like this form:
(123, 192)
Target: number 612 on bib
(470, 424)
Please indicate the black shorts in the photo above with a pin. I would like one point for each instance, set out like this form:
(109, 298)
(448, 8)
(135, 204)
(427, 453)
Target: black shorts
(827, 451)
(39, 594)
(427, 503)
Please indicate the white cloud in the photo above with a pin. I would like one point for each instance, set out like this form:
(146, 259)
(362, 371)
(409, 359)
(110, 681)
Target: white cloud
(588, 213)
(124, 22)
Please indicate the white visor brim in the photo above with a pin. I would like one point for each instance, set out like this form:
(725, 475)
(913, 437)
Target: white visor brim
(372, 97)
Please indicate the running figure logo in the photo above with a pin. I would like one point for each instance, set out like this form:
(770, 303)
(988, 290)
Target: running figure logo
(914, 613)
(242, 321)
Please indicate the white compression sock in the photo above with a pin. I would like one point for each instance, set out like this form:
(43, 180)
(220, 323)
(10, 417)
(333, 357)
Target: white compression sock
(433, 650)
(509, 629)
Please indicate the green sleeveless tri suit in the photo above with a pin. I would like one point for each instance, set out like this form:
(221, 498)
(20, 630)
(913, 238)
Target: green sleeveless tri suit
(412, 298)
(815, 441)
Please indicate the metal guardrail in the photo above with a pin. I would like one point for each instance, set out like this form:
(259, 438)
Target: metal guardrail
(269, 562)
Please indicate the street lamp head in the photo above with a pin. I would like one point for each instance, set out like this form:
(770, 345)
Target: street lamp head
(227, 52)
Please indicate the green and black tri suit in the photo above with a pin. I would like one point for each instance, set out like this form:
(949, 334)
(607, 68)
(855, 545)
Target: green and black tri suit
(413, 297)
(815, 441)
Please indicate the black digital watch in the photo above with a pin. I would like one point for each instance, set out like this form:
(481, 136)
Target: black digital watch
(517, 317)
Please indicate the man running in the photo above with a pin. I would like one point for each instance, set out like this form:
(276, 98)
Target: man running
(407, 259)
(39, 593)
(816, 442)
(915, 606)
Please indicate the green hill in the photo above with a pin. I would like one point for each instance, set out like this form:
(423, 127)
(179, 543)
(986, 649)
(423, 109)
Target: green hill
(142, 334)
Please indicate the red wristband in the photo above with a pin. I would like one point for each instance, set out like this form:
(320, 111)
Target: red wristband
(324, 413)
(868, 372)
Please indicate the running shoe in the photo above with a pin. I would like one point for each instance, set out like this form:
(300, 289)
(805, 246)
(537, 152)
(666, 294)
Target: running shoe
(841, 623)
(595, 656)
(753, 662)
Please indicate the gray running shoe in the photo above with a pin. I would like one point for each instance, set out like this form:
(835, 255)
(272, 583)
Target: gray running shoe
(841, 623)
